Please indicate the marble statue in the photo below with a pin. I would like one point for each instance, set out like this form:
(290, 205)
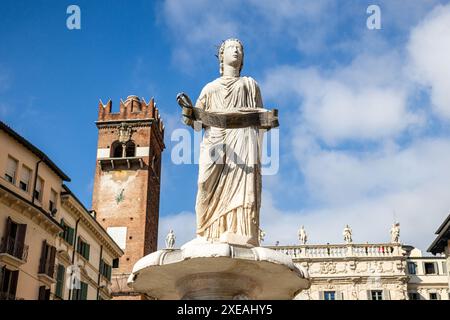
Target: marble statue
(229, 180)
(395, 233)
(225, 260)
(302, 236)
(262, 235)
(347, 234)
(170, 240)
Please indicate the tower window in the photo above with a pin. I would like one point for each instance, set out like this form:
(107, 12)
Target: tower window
(130, 149)
(116, 150)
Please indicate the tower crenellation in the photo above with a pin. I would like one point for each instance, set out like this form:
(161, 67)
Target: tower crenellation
(133, 108)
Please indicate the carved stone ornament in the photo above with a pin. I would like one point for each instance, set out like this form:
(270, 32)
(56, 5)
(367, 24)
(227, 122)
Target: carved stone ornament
(125, 132)
(328, 267)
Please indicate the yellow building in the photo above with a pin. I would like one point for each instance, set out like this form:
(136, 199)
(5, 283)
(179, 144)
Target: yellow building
(84, 248)
(34, 243)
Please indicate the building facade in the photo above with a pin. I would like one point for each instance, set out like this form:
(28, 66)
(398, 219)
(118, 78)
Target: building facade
(441, 245)
(33, 203)
(368, 272)
(86, 254)
(428, 276)
(127, 182)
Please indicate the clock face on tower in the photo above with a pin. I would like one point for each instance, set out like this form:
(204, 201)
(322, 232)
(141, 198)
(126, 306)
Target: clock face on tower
(120, 197)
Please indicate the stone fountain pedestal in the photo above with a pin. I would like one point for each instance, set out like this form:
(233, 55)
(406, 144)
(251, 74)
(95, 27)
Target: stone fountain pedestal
(218, 271)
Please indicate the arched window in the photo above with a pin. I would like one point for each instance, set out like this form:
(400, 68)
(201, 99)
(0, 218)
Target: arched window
(116, 150)
(130, 150)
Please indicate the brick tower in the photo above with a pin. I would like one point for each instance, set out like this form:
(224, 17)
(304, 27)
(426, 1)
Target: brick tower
(127, 182)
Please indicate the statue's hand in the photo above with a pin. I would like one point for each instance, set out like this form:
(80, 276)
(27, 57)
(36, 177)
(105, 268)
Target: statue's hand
(188, 121)
(184, 101)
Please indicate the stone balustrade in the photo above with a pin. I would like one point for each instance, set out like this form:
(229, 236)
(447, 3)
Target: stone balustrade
(341, 250)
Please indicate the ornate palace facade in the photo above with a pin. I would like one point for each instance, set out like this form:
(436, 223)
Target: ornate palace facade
(386, 271)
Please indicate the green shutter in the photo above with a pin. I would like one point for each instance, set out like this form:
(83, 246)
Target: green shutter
(84, 291)
(60, 281)
(70, 236)
(88, 248)
(79, 245)
(2, 271)
(61, 234)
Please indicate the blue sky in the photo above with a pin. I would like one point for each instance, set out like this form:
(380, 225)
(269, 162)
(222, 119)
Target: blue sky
(364, 113)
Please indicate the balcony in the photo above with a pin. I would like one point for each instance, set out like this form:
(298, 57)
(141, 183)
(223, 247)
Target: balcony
(126, 163)
(341, 250)
(46, 274)
(12, 252)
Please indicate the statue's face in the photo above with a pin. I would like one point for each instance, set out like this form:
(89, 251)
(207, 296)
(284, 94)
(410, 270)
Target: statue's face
(232, 54)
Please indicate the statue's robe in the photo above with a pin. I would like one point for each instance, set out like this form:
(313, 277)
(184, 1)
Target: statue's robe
(229, 180)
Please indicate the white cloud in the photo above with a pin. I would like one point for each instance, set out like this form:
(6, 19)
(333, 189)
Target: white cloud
(337, 177)
(365, 100)
(429, 50)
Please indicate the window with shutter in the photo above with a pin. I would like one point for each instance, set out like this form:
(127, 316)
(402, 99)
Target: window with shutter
(25, 178)
(88, 249)
(44, 293)
(43, 257)
(109, 273)
(59, 292)
(71, 235)
(105, 270)
(52, 201)
(38, 189)
(47, 262)
(68, 233)
(83, 248)
(11, 170)
(51, 262)
(1, 274)
(62, 233)
(84, 291)
(20, 242)
(8, 285)
(13, 283)
(79, 244)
